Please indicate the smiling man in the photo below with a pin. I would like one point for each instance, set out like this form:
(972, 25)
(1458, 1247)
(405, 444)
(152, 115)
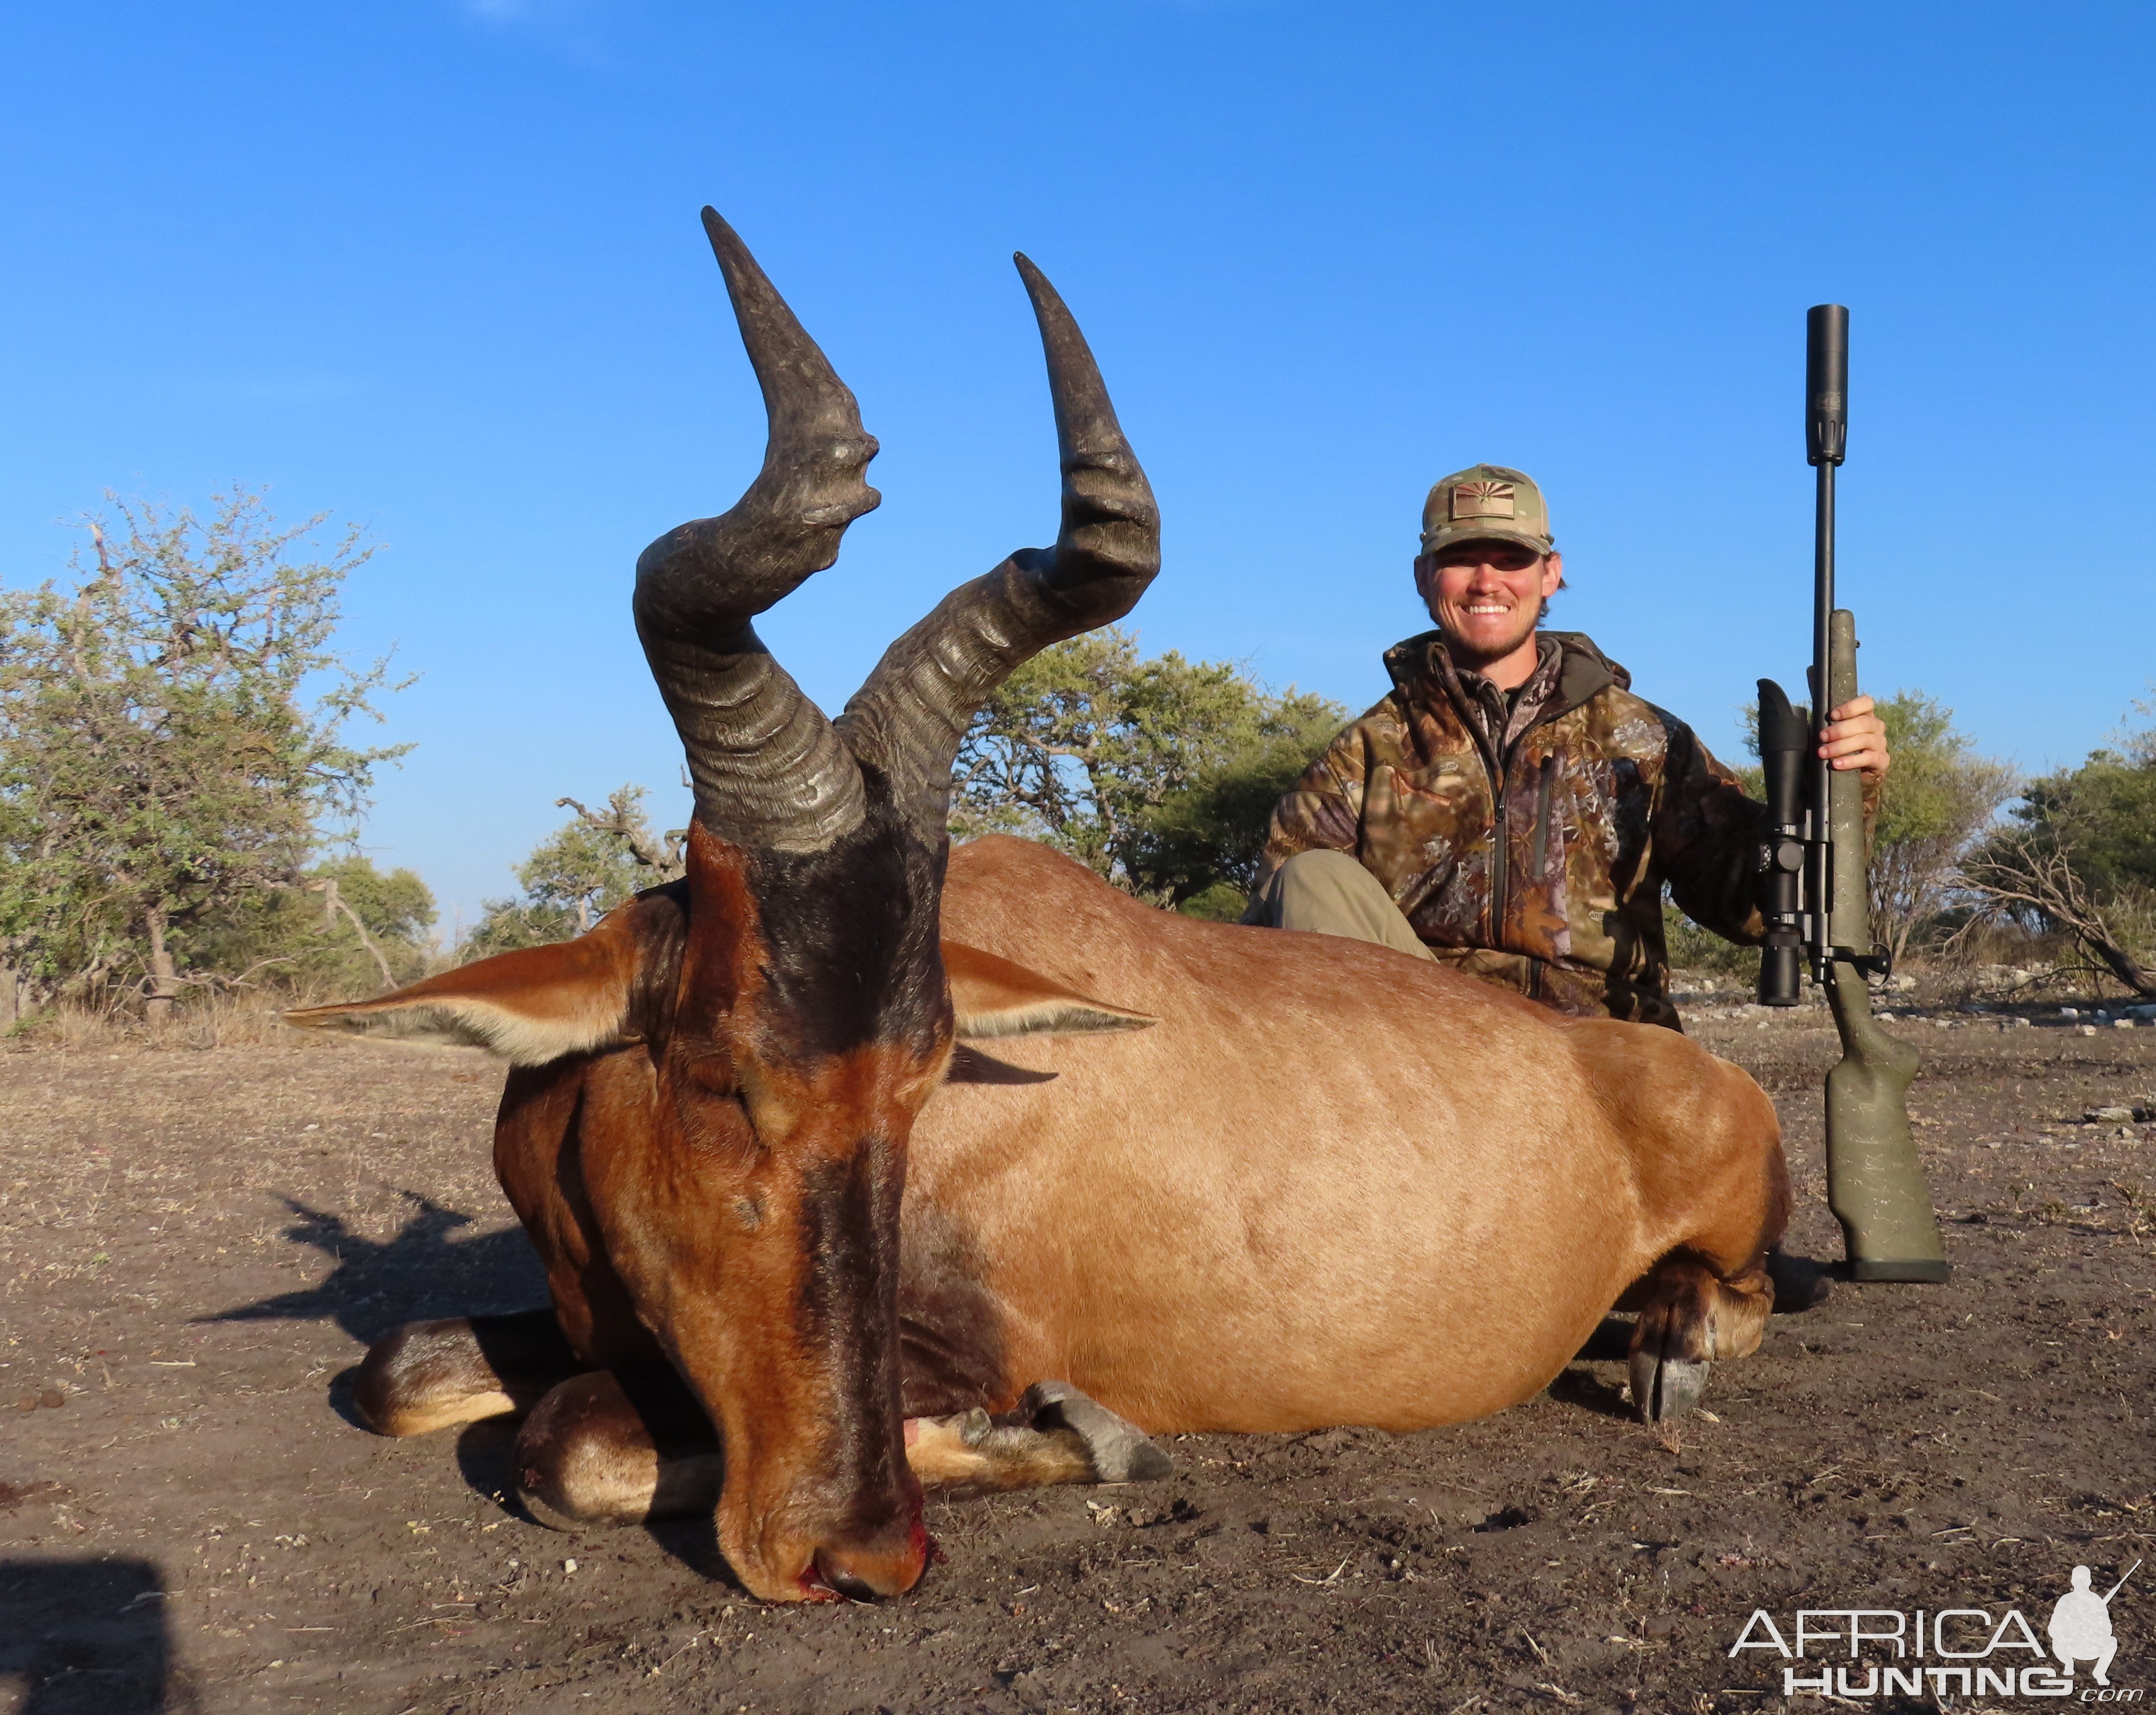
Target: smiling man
(1512, 808)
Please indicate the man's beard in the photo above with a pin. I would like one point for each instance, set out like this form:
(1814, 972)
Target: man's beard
(1525, 617)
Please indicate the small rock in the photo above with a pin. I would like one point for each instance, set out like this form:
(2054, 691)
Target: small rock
(2107, 1116)
(2088, 1030)
(52, 1399)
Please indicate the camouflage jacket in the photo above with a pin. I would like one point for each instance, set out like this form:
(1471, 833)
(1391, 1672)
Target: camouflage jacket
(1527, 839)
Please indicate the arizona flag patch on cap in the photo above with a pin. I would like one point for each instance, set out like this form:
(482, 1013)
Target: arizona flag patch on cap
(1482, 499)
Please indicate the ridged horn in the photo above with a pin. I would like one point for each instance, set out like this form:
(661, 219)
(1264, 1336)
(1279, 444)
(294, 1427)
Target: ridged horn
(909, 715)
(767, 769)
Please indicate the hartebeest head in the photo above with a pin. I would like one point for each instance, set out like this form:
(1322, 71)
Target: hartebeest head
(809, 1017)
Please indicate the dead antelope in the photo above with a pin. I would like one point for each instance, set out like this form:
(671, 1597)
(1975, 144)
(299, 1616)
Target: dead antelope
(1210, 1178)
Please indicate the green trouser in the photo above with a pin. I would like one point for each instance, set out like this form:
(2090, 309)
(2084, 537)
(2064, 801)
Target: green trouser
(1330, 894)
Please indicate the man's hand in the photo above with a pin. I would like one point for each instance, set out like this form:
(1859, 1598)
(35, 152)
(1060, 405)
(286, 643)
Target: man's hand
(1856, 738)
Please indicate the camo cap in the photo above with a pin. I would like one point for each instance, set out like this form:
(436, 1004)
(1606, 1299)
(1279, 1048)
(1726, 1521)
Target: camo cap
(1486, 503)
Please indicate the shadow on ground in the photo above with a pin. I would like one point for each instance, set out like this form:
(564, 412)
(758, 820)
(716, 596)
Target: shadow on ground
(86, 1637)
(422, 1272)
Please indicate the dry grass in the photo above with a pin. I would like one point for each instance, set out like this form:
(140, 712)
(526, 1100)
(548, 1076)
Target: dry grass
(201, 1021)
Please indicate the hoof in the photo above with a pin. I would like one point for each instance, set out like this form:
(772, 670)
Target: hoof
(1664, 1388)
(685, 1488)
(540, 1510)
(425, 1376)
(1118, 1448)
(603, 1448)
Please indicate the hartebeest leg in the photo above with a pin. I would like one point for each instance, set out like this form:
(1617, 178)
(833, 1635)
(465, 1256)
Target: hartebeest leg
(608, 1448)
(1689, 1317)
(429, 1375)
(1056, 1435)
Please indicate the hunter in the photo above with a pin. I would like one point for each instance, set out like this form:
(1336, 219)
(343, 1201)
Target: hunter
(1512, 808)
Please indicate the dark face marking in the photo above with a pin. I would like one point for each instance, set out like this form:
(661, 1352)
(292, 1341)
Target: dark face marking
(812, 1021)
(849, 952)
(847, 1316)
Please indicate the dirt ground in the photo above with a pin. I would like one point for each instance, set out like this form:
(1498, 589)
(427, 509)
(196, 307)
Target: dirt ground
(196, 1245)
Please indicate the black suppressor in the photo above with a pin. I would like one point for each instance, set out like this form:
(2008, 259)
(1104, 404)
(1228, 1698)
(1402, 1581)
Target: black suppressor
(1827, 382)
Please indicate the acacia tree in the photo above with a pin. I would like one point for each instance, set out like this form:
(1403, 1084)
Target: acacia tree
(578, 873)
(1938, 799)
(1158, 774)
(172, 736)
(2082, 859)
(343, 928)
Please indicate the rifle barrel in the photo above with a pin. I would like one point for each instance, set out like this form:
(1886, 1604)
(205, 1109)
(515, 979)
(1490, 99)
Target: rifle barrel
(1826, 442)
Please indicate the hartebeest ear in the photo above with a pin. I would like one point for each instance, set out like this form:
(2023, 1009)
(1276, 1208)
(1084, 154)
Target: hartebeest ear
(533, 1006)
(994, 997)
(538, 1004)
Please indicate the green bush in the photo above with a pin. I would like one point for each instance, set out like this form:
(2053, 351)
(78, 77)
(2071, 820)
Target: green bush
(1161, 774)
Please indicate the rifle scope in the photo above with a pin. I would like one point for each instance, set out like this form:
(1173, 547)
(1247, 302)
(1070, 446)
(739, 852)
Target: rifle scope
(1783, 738)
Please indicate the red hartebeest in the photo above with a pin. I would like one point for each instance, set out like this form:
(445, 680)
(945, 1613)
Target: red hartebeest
(802, 1239)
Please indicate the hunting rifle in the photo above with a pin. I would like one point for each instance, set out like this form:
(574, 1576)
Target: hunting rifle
(1812, 892)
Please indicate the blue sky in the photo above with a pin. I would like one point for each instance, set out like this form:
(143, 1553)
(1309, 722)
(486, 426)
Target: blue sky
(434, 265)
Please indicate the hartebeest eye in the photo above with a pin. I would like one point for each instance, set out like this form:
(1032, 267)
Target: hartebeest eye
(710, 1070)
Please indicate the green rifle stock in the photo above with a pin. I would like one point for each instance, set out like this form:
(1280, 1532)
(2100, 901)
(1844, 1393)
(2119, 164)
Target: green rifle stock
(1813, 897)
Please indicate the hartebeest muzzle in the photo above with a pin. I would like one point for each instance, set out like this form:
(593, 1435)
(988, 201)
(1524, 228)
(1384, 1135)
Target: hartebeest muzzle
(811, 1018)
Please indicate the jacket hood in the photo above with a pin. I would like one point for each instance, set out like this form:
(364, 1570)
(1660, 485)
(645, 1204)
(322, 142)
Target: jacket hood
(1585, 673)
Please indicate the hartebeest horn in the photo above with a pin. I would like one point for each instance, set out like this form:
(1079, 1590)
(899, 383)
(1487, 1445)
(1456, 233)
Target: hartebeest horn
(908, 717)
(768, 769)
